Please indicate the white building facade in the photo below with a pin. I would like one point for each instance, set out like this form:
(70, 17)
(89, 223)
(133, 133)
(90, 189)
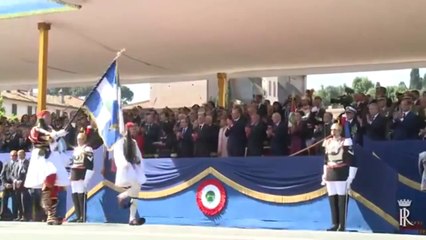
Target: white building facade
(18, 103)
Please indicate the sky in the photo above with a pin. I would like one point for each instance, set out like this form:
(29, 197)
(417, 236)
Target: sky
(141, 92)
(385, 78)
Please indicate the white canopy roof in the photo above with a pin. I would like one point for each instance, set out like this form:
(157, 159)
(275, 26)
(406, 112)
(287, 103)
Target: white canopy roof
(168, 40)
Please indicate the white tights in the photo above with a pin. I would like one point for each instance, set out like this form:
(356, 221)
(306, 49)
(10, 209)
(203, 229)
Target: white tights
(336, 188)
(78, 186)
(133, 193)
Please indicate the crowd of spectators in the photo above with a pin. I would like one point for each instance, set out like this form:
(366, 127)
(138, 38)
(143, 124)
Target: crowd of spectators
(259, 128)
(262, 128)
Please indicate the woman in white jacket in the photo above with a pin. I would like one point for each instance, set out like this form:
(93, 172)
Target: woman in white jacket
(130, 173)
(223, 140)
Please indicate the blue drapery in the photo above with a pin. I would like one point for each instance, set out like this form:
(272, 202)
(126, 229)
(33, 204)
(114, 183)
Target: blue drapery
(278, 176)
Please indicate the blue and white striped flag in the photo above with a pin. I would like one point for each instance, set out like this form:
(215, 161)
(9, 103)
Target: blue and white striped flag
(104, 104)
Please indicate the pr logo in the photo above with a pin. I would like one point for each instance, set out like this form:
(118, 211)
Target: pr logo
(404, 213)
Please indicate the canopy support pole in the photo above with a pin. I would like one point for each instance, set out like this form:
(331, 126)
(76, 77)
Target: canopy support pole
(222, 82)
(42, 65)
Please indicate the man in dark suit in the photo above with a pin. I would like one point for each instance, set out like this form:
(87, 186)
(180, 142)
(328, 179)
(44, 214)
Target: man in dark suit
(22, 194)
(406, 124)
(213, 135)
(262, 110)
(317, 110)
(202, 137)
(185, 141)
(236, 134)
(375, 127)
(256, 135)
(8, 188)
(152, 135)
(278, 133)
(328, 122)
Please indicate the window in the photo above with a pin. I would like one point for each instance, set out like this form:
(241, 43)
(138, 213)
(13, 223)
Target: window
(275, 89)
(14, 109)
(269, 88)
(30, 110)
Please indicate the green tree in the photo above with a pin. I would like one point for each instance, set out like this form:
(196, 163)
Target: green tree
(126, 94)
(362, 85)
(402, 87)
(326, 93)
(415, 81)
(372, 92)
(2, 111)
(392, 90)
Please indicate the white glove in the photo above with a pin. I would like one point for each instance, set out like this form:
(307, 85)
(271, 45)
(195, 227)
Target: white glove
(323, 180)
(324, 172)
(351, 177)
(61, 133)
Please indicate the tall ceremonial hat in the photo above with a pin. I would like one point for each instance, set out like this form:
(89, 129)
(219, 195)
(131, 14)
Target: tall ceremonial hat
(88, 130)
(42, 113)
(130, 125)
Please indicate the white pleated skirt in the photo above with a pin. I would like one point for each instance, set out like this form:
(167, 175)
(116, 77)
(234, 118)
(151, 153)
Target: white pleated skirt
(40, 167)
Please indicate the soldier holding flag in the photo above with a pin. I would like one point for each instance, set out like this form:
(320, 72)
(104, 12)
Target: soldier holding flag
(47, 170)
(130, 173)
